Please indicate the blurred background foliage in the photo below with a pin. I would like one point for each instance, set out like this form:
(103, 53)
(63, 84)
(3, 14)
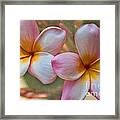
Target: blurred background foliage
(31, 87)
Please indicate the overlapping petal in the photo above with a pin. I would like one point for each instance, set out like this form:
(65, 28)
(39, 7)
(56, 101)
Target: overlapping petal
(23, 53)
(87, 40)
(24, 64)
(76, 90)
(95, 66)
(41, 67)
(50, 40)
(68, 66)
(28, 33)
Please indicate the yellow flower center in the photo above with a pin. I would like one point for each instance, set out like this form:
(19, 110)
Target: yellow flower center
(87, 67)
(35, 57)
(92, 71)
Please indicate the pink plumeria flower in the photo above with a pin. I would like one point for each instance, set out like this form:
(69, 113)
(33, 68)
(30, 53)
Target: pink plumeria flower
(81, 72)
(37, 50)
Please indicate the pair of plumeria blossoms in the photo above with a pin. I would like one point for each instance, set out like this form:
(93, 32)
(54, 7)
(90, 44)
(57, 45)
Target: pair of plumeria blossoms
(40, 56)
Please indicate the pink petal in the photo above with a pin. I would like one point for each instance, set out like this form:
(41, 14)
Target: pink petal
(24, 64)
(87, 39)
(68, 66)
(28, 33)
(50, 40)
(41, 67)
(76, 90)
(95, 83)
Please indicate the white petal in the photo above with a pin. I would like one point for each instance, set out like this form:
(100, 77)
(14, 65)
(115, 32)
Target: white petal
(41, 67)
(50, 40)
(76, 90)
(95, 83)
(24, 64)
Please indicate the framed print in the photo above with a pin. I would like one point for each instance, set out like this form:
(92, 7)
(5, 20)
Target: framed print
(59, 59)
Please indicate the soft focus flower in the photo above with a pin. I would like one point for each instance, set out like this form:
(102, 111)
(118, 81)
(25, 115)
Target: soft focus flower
(37, 50)
(81, 72)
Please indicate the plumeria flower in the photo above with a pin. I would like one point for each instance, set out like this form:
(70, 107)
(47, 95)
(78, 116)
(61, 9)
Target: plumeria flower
(81, 71)
(37, 50)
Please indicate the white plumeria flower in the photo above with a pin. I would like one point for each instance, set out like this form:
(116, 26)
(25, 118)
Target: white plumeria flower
(37, 50)
(81, 71)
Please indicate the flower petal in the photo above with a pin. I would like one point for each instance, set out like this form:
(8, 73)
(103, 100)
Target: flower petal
(68, 66)
(95, 83)
(96, 66)
(24, 64)
(50, 40)
(87, 40)
(41, 67)
(28, 33)
(76, 90)
(23, 53)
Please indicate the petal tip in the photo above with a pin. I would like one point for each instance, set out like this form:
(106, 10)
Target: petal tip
(88, 28)
(51, 39)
